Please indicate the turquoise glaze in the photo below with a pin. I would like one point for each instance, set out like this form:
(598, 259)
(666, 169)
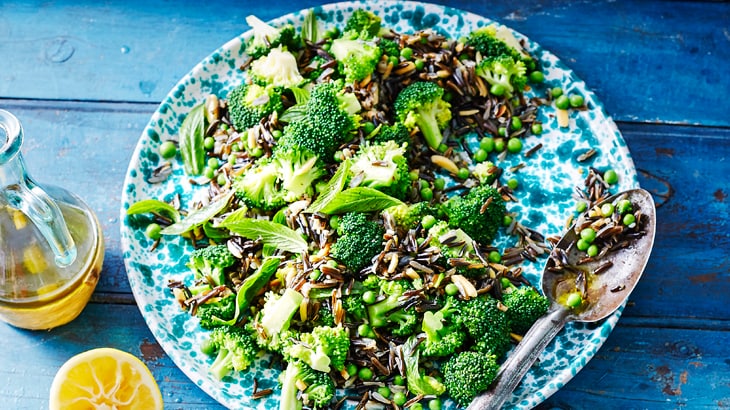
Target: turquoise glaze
(545, 202)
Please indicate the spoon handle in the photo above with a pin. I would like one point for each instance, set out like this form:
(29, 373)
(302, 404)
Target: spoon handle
(521, 359)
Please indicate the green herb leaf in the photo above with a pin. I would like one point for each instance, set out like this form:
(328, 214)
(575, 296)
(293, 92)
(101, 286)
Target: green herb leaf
(333, 188)
(272, 233)
(251, 287)
(199, 216)
(192, 134)
(154, 206)
(294, 113)
(359, 199)
(279, 218)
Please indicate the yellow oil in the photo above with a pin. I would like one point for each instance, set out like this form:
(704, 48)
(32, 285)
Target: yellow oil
(35, 293)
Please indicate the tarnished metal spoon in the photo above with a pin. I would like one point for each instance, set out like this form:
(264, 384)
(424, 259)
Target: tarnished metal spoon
(603, 293)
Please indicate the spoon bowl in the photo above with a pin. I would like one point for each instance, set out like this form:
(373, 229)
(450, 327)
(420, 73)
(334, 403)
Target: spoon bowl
(604, 283)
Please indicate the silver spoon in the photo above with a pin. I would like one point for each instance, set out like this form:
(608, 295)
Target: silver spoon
(606, 291)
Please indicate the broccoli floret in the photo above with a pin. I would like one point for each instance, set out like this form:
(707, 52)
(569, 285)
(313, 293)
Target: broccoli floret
(409, 216)
(503, 71)
(278, 69)
(354, 308)
(357, 58)
(234, 349)
(389, 47)
(318, 387)
(421, 104)
(215, 310)
(486, 41)
(486, 324)
(324, 317)
(443, 334)
(359, 241)
(524, 305)
(397, 133)
(265, 37)
(258, 186)
(470, 214)
(402, 323)
(485, 172)
(379, 313)
(330, 116)
(419, 383)
(298, 170)
(383, 167)
(271, 325)
(322, 348)
(467, 374)
(210, 263)
(249, 103)
(455, 243)
(362, 24)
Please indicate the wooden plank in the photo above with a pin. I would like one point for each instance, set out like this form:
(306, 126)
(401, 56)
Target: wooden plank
(685, 264)
(668, 68)
(652, 368)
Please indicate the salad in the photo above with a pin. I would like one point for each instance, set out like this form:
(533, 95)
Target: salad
(353, 199)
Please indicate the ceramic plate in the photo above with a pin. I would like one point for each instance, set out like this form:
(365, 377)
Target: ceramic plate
(545, 202)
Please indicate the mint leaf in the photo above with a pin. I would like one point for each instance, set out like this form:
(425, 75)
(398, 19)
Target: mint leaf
(359, 199)
(271, 233)
(199, 216)
(332, 189)
(192, 134)
(153, 206)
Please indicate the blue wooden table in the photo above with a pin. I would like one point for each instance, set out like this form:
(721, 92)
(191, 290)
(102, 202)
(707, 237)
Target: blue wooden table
(84, 78)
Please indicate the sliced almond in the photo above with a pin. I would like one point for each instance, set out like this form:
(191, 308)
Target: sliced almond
(563, 119)
(445, 163)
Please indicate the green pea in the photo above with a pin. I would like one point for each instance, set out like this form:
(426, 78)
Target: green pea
(277, 134)
(562, 102)
(497, 90)
(607, 209)
(582, 245)
(588, 235)
(516, 123)
(365, 374)
(416, 406)
(413, 175)
(420, 240)
(581, 206)
(624, 206)
(574, 300)
(326, 46)
(213, 162)
(364, 330)
(428, 221)
(514, 145)
(208, 347)
(393, 60)
(406, 53)
(434, 404)
(339, 156)
(351, 369)
(507, 220)
(332, 263)
(629, 219)
(536, 128)
(499, 144)
(153, 231)
(494, 257)
(576, 100)
(369, 297)
(422, 183)
(419, 64)
(451, 289)
(256, 152)
(235, 147)
(610, 176)
(209, 172)
(480, 155)
(315, 274)
(168, 149)
(487, 144)
(592, 251)
(209, 143)
(334, 222)
(224, 126)
(502, 131)
(384, 391)
(399, 398)
(426, 194)
(221, 179)
(232, 159)
(439, 184)
(368, 127)
(398, 380)
(513, 183)
(556, 92)
(537, 77)
(463, 173)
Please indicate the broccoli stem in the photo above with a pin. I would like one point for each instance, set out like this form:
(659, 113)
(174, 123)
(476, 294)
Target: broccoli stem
(275, 320)
(222, 365)
(429, 127)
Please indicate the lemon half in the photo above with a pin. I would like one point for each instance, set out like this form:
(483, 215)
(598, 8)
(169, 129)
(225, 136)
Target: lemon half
(104, 378)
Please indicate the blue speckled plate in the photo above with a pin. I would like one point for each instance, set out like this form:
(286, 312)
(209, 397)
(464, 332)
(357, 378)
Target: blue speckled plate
(544, 195)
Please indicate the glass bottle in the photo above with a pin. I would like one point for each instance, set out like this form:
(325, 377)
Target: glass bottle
(51, 244)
